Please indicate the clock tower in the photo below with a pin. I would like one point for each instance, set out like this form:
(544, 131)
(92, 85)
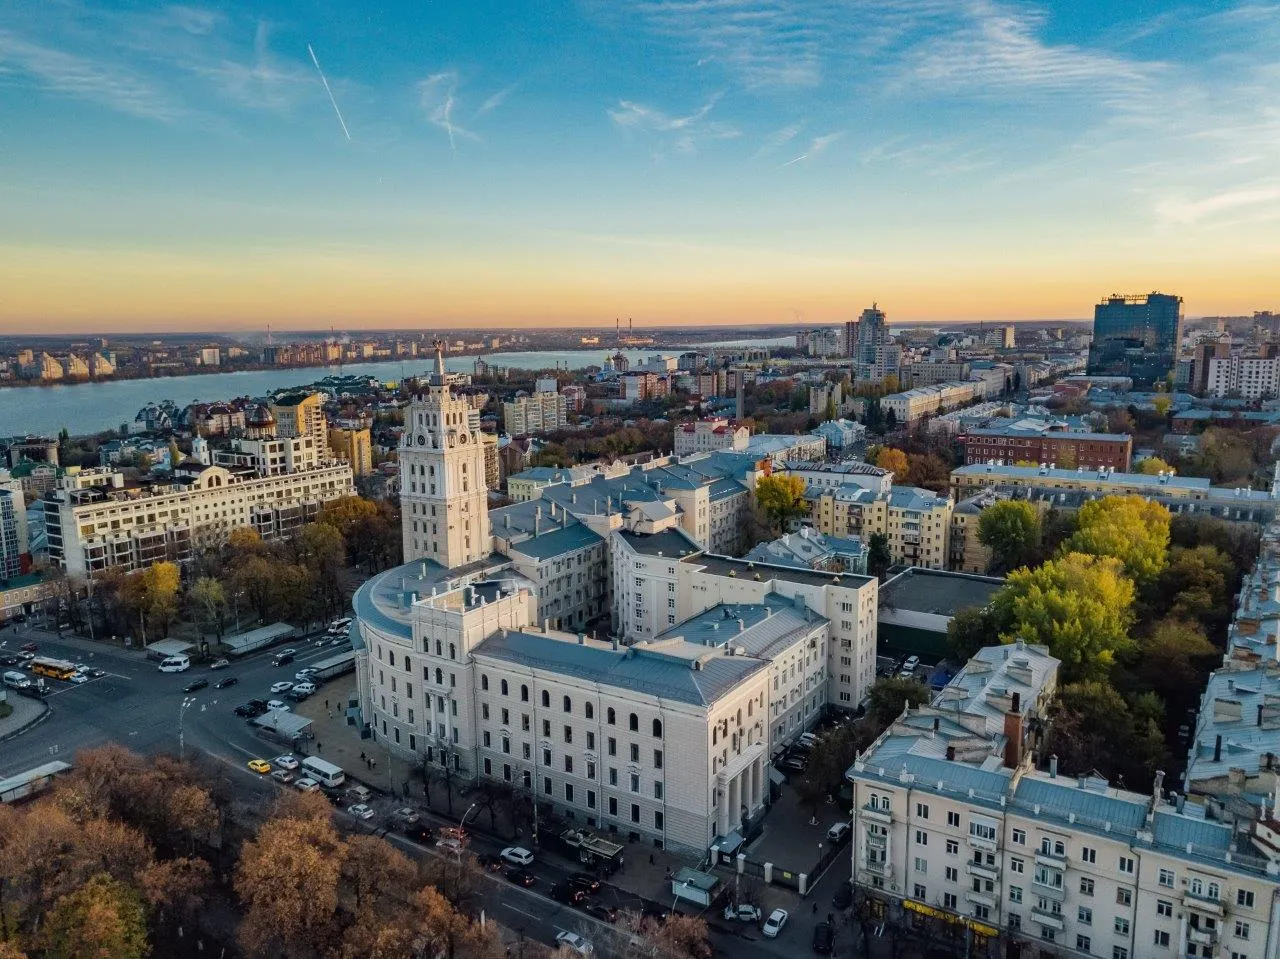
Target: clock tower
(444, 502)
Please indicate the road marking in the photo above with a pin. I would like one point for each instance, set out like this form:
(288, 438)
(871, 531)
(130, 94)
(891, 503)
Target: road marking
(530, 915)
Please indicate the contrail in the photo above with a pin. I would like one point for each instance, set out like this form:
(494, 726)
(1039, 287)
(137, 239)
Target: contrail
(802, 156)
(328, 91)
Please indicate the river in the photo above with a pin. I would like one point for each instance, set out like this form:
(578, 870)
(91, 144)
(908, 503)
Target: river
(85, 408)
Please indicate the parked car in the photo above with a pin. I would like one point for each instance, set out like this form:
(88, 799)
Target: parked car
(742, 913)
(450, 844)
(490, 863)
(93, 672)
(281, 687)
(775, 923)
(602, 912)
(225, 682)
(521, 877)
(517, 856)
(361, 811)
(843, 898)
(322, 641)
(287, 762)
(260, 766)
(282, 659)
(29, 647)
(406, 815)
(824, 938)
(254, 707)
(838, 832)
(911, 664)
(585, 881)
(304, 689)
(282, 776)
(195, 684)
(575, 942)
(306, 785)
(78, 677)
(794, 764)
(277, 706)
(304, 675)
(220, 664)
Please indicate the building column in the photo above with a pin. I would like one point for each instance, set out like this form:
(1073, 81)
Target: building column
(735, 801)
(722, 820)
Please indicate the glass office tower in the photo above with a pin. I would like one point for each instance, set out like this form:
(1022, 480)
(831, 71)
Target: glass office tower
(1136, 336)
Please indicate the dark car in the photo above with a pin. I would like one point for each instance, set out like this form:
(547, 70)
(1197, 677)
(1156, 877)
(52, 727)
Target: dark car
(602, 912)
(417, 831)
(521, 877)
(793, 764)
(843, 898)
(563, 892)
(94, 673)
(491, 863)
(655, 912)
(824, 937)
(29, 647)
(224, 683)
(254, 707)
(587, 883)
(10, 660)
(195, 684)
(282, 659)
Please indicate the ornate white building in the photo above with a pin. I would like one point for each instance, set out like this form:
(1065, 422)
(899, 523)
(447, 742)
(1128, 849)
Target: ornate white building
(443, 494)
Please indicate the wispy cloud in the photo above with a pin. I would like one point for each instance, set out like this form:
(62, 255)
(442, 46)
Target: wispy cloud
(438, 98)
(780, 138)
(816, 146)
(1253, 197)
(111, 85)
(495, 101)
(684, 132)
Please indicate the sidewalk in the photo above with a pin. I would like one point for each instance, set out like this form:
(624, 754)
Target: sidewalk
(26, 712)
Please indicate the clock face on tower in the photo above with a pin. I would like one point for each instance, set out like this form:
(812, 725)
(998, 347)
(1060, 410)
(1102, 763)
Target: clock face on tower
(422, 440)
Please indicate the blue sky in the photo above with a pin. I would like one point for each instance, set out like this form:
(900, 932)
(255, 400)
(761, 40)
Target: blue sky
(678, 161)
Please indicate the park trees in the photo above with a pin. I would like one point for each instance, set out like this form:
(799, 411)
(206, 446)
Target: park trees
(1011, 530)
(209, 602)
(889, 696)
(889, 458)
(103, 918)
(781, 498)
(1094, 727)
(1197, 583)
(1154, 465)
(151, 597)
(1079, 606)
(1132, 529)
(879, 559)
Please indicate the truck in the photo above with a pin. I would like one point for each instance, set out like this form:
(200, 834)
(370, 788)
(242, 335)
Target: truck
(326, 669)
(593, 850)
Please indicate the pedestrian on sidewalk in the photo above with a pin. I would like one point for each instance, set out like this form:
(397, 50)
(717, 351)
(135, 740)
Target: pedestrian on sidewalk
(651, 859)
(815, 908)
(319, 746)
(326, 706)
(362, 758)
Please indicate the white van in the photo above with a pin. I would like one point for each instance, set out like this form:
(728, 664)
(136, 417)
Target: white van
(175, 664)
(327, 774)
(16, 680)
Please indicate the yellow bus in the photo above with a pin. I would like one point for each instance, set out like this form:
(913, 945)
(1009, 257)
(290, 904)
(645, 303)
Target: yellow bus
(56, 668)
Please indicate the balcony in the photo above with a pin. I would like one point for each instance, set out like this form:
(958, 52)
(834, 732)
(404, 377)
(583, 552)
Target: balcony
(876, 868)
(877, 840)
(1202, 937)
(1051, 919)
(987, 899)
(1046, 889)
(979, 871)
(876, 814)
(1052, 860)
(1203, 904)
(982, 842)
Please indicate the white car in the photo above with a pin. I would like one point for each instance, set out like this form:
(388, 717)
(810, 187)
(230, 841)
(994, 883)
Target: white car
(911, 664)
(286, 762)
(304, 689)
(304, 675)
(773, 925)
(287, 651)
(360, 811)
(517, 856)
(450, 844)
(277, 705)
(306, 785)
(742, 912)
(575, 942)
(281, 687)
(837, 832)
(77, 677)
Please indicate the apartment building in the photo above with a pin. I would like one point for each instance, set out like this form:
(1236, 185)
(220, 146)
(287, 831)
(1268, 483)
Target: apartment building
(1091, 451)
(912, 405)
(966, 553)
(934, 372)
(95, 519)
(12, 547)
(302, 415)
(535, 413)
(566, 560)
(707, 435)
(952, 821)
(808, 549)
(916, 522)
(1242, 376)
(644, 559)
(663, 742)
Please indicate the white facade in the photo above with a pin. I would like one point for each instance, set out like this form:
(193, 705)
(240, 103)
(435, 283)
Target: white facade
(645, 582)
(538, 413)
(707, 435)
(443, 496)
(1249, 377)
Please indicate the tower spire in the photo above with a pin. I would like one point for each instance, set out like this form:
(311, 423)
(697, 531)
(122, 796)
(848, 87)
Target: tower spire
(439, 345)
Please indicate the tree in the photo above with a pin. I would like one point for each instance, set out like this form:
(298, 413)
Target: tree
(175, 454)
(970, 630)
(103, 918)
(1077, 605)
(1010, 528)
(370, 864)
(888, 696)
(209, 601)
(879, 559)
(1162, 403)
(1131, 529)
(176, 889)
(1197, 583)
(1172, 662)
(287, 878)
(889, 458)
(927, 470)
(1120, 420)
(782, 499)
(1094, 727)
(829, 411)
(1153, 465)
(152, 597)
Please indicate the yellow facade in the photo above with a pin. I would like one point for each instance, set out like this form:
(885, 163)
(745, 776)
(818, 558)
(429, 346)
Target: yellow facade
(916, 526)
(354, 446)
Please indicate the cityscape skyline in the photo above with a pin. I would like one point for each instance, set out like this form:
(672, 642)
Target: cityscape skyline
(689, 164)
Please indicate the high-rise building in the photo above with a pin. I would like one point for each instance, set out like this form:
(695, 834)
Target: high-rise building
(443, 495)
(302, 414)
(873, 358)
(1136, 336)
(11, 547)
(354, 446)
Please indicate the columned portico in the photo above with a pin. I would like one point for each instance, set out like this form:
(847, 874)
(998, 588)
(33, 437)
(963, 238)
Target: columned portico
(741, 786)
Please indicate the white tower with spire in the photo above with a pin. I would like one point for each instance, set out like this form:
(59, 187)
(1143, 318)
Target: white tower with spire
(443, 498)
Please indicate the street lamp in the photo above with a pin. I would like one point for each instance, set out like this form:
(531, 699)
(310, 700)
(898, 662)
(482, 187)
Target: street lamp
(187, 703)
(463, 823)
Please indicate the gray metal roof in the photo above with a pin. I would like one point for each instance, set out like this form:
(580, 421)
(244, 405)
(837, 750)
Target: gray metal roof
(568, 539)
(985, 683)
(938, 591)
(718, 565)
(384, 601)
(674, 670)
(767, 628)
(1243, 707)
(674, 542)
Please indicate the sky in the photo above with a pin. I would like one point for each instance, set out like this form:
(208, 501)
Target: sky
(418, 163)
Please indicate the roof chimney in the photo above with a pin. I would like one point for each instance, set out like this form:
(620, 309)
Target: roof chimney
(1053, 766)
(1014, 735)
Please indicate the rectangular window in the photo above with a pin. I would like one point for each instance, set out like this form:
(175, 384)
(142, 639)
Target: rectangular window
(953, 874)
(1244, 897)
(922, 838)
(657, 819)
(546, 785)
(1015, 894)
(1242, 929)
(591, 769)
(657, 789)
(1086, 886)
(568, 764)
(612, 746)
(657, 759)
(591, 799)
(1016, 865)
(1084, 916)
(1019, 837)
(1083, 943)
(1161, 939)
(568, 734)
(949, 901)
(1164, 908)
(953, 819)
(919, 892)
(953, 848)
(1126, 865)
(1088, 855)
(635, 813)
(568, 792)
(922, 864)
(635, 753)
(1119, 952)
(1124, 897)
(1166, 878)
(635, 783)
(922, 810)
(1122, 926)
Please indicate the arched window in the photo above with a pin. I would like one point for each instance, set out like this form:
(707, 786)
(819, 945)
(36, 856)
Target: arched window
(1213, 891)
(635, 723)
(591, 711)
(657, 728)
(715, 734)
(524, 694)
(568, 705)
(739, 717)
(453, 651)
(1197, 887)
(610, 717)
(504, 687)
(484, 682)
(439, 651)
(546, 699)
